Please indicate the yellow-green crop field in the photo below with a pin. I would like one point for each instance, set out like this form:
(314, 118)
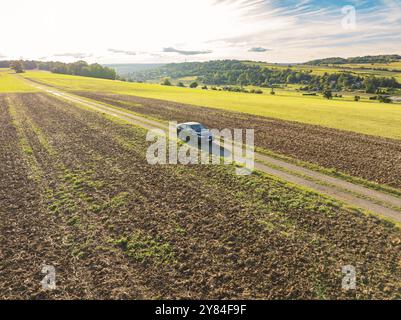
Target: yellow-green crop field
(364, 116)
(390, 66)
(357, 69)
(9, 83)
(373, 69)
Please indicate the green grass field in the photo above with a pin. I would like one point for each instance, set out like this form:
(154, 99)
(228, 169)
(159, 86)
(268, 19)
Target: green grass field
(9, 83)
(364, 117)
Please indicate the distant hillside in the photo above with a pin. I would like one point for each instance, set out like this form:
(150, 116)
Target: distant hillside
(244, 73)
(126, 69)
(365, 59)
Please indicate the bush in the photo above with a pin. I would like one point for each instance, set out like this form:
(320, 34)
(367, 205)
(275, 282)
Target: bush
(384, 99)
(193, 85)
(328, 94)
(166, 82)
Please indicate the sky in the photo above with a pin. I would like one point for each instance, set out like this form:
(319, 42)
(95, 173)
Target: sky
(160, 31)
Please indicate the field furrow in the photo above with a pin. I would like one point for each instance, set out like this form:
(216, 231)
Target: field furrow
(30, 237)
(125, 229)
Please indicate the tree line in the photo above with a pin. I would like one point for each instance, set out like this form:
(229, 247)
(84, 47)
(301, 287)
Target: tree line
(365, 59)
(234, 72)
(79, 68)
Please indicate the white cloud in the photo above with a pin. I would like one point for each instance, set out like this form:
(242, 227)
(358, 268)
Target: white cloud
(125, 52)
(258, 49)
(186, 52)
(76, 55)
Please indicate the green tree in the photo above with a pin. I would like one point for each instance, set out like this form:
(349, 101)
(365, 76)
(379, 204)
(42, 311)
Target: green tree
(17, 66)
(193, 85)
(243, 80)
(370, 84)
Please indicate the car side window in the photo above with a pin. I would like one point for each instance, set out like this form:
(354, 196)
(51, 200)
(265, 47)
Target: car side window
(182, 128)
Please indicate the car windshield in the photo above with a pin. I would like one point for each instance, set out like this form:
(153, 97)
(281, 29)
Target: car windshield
(197, 127)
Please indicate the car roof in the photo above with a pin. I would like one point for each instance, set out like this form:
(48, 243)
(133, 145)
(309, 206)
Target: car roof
(189, 123)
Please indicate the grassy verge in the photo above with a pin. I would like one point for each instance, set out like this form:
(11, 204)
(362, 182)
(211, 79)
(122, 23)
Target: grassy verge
(332, 172)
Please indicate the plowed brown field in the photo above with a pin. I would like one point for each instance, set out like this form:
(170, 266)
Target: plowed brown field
(77, 193)
(372, 158)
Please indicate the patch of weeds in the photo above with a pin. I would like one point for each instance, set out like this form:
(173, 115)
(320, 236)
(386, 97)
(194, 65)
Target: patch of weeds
(26, 148)
(95, 208)
(240, 194)
(79, 250)
(105, 249)
(145, 249)
(130, 145)
(73, 221)
(60, 201)
(116, 202)
(267, 225)
(77, 184)
(320, 290)
(178, 229)
(95, 184)
(285, 234)
(119, 200)
(74, 180)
